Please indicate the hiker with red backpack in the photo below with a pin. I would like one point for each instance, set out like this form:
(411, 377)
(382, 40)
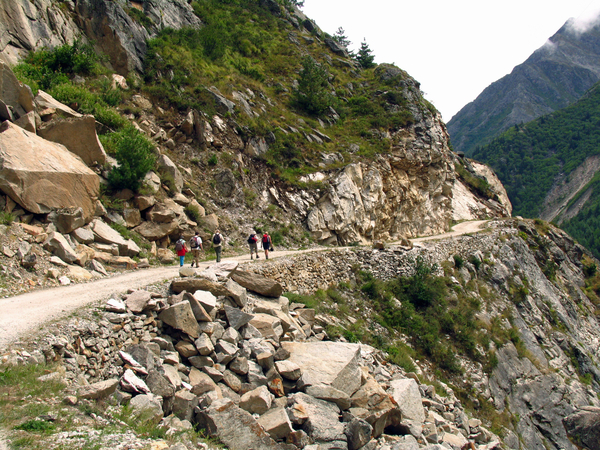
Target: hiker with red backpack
(253, 244)
(181, 250)
(267, 244)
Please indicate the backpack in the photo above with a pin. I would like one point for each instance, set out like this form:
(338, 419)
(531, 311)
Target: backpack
(179, 245)
(217, 239)
(266, 240)
(252, 239)
(194, 242)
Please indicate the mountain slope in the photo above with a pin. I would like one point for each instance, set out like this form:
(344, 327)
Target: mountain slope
(550, 166)
(554, 76)
(269, 121)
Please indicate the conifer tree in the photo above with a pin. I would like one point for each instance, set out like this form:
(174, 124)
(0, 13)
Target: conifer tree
(341, 38)
(312, 94)
(365, 57)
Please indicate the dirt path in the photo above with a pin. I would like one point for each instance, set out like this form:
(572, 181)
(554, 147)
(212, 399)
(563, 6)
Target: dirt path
(27, 312)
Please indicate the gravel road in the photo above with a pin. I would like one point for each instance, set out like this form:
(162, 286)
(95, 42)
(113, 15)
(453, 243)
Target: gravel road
(27, 312)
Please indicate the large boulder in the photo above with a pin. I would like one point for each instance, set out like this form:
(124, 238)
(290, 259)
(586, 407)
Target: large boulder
(58, 245)
(257, 283)
(78, 134)
(45, 101)
(169, 169)
(107, 235)
(181, 317)
(42, 176)
(322, 419)
(156, 231)
(235, 428)
(331, 363)
(406, 394)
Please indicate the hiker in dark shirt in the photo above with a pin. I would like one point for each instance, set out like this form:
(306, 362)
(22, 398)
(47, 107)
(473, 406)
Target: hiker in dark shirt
(267, 244)
(217, 241)
(253, 244)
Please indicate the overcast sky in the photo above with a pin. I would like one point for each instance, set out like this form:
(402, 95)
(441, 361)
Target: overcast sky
(454, 48)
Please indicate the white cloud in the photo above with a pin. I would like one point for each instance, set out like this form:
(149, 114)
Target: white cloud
(585, 21)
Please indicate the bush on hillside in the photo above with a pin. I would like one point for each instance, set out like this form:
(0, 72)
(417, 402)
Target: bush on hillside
(135, 155)
(47, 68)
(312, 94)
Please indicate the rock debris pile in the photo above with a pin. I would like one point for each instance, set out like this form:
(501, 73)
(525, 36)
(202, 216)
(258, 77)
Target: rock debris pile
(224, 350)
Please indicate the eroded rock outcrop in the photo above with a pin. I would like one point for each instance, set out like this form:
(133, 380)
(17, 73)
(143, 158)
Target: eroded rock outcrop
(42, 176)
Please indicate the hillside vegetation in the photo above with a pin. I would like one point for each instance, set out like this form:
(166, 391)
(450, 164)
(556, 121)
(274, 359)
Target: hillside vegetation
(530, 159)
(244, 46)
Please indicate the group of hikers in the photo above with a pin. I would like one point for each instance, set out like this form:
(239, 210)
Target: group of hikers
(195, 246)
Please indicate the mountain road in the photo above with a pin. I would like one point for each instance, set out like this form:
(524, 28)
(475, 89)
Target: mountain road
(23, 314)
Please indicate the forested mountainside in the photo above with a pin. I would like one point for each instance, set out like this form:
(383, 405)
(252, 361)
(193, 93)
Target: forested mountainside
(554, 76)
(550, 167)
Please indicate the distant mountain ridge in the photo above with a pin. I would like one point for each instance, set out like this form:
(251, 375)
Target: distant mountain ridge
(553, 77)
(551, 167)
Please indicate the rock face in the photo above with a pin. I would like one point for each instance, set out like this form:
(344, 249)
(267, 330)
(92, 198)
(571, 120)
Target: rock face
(78, 135)
(584, 427)
(42, 176)
(123, 39)
(33, 25)
(406, 193)
(28, 26)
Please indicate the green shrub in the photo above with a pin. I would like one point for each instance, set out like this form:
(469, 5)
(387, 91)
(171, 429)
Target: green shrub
(458, 261)
(110, 117)
(479, 184)
(193, 212)
(135, 155)
(213, 160)
(48, 68)
(6, 218)
(277, 237)
(312, 94)
(475, 261)
(36, 426)
(590, 269)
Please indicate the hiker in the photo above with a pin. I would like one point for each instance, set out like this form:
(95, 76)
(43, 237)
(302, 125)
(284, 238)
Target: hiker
(253, 244)
(266, 244)
(181, 250)
(217, 241)
(196, 246)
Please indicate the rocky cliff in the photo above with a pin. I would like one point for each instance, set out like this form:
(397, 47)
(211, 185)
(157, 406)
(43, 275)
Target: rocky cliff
(408, 188)
(553, 77)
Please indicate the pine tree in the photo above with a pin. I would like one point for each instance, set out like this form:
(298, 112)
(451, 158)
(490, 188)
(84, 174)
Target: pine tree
(312, 94)
(341, 38)
(365, 57)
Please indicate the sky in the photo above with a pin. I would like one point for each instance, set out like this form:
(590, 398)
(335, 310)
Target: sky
(454, 48)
